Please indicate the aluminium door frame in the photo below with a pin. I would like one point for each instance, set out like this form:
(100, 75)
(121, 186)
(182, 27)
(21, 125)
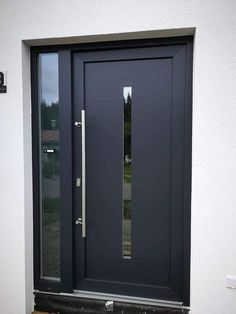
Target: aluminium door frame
(66, 173)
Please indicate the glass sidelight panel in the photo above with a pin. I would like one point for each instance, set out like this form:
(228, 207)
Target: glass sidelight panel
(49, 160)
(127, 94)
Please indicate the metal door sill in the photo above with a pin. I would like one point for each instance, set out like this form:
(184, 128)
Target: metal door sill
(128, 299)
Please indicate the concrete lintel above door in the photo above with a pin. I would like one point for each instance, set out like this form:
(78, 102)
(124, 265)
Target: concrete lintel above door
(149, 34)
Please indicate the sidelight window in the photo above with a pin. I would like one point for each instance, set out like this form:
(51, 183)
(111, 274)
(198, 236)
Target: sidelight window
(49, 160)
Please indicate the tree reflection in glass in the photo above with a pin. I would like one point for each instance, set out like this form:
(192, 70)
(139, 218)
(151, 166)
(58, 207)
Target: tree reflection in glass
(49, 165)
(127, 94)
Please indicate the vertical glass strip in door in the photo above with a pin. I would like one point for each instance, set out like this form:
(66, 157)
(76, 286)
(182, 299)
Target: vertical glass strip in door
(127, 172)
(49, 161)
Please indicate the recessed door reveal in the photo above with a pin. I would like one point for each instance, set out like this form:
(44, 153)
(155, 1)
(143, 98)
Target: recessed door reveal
(127, 172)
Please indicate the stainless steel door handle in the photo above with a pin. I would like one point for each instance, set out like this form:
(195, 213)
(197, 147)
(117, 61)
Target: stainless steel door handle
(82, 221)
(83, 139)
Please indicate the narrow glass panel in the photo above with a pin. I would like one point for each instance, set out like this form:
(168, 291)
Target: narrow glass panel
(49, 165)
(127, 94)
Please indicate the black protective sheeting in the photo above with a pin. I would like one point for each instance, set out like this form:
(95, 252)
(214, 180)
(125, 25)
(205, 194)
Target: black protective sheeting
(71, 305)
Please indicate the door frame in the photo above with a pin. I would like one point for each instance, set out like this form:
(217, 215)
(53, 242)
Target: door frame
(66, 173)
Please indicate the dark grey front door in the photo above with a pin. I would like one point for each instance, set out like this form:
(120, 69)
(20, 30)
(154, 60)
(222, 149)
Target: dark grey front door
(134, 102)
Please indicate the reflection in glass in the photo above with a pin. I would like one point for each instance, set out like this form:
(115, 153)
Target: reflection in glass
(127, 94)
(49, 165)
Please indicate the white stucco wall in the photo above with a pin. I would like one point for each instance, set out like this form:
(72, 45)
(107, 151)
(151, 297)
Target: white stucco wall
(214, 130)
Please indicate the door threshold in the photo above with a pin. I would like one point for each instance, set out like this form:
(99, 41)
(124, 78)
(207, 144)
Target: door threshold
(119, 298)
(128, 299)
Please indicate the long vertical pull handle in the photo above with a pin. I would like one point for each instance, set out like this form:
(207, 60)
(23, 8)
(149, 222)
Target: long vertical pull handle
(82, 221)
(83, 173)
